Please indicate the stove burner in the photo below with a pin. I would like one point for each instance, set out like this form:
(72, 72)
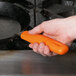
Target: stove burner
(14, 43)
(8, 27)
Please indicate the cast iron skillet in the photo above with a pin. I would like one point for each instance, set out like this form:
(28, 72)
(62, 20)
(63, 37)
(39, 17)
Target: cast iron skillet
(23, 3)
(14, 12)
(13, 19)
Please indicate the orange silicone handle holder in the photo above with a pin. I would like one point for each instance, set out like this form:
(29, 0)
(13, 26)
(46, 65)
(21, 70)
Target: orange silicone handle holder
(54, 46)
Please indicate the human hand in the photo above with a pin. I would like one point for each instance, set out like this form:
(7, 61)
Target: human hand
(62, 30)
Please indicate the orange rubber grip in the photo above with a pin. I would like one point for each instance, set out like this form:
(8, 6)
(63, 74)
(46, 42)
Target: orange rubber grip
(54, 46)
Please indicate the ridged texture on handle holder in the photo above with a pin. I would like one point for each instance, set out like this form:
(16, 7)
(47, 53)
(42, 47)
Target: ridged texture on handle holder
(53, 45)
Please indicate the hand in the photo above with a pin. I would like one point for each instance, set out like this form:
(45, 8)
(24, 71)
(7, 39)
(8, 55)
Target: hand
(62, 30)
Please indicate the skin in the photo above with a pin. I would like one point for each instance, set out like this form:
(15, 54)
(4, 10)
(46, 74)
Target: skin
(62, 30)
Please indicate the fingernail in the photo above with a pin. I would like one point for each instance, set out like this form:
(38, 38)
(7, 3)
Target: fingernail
(30, 45)
(35, 45)
(41, 44)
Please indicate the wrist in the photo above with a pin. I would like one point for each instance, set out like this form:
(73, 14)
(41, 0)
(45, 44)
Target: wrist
(72, 21)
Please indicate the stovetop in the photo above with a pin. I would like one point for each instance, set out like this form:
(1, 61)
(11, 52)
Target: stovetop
(15, 43)
(28, 63)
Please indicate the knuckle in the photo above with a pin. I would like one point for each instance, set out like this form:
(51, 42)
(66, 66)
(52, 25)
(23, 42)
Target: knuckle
(43, 23)
(45, 52)
(40, 47)
(69, 36)
(35, 47)
(40, 50)
(35, 50)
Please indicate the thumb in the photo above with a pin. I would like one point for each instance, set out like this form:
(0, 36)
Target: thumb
(36, 30)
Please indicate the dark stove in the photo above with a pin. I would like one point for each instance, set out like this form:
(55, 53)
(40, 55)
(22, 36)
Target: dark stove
(39, 11)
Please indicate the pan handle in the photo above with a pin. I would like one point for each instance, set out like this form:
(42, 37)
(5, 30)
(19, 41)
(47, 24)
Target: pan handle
(53, 45)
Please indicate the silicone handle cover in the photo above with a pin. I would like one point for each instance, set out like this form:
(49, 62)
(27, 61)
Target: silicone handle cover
(54, 46)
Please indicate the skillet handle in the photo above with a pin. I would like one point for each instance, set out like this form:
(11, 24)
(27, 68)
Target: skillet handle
(53, 45)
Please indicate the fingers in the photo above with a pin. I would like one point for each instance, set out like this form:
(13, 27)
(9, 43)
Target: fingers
(50, 36)
(47, 52)
(42, 49)
(34, 47)
(30, 45)
(36, 30)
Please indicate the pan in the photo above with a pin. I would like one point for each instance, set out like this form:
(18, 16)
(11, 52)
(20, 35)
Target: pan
(22, 3)
(14, 12)
(13, 19)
